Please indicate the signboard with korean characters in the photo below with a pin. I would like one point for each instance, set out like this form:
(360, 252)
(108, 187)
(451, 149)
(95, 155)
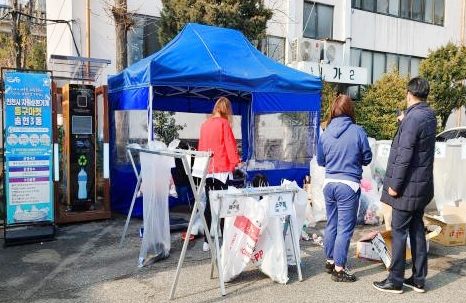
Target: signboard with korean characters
(28, 147)
(343, 74)
(280, 204)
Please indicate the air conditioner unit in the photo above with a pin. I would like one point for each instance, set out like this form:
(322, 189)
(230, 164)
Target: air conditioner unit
(304, 49)
(333, 52)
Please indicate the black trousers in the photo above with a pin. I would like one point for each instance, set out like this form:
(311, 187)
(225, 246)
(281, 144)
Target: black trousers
(410, 223)
(212, 184)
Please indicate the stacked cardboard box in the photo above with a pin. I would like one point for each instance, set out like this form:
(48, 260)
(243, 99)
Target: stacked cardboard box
(453, 225)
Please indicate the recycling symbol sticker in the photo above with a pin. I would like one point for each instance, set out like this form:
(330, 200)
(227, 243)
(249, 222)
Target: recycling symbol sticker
(82, 160)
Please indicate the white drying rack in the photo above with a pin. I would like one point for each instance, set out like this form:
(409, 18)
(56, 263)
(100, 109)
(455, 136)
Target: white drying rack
(223, 203)
(197, 189)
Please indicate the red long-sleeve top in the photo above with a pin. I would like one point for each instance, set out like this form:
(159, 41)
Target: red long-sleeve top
(217, 136)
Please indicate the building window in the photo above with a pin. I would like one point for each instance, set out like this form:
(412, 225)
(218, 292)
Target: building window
(392, 61)
(428, 11)
(366, 62)
(403, 66)
(414, 66)
(439, 10)
(417, 10)
(405, 9)
(379, 66)
(382, 7)
(142, 38)
(317, 20)
(274, 47)
(378, 63)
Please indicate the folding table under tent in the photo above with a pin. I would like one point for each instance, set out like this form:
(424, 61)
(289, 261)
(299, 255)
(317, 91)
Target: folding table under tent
(187, 75)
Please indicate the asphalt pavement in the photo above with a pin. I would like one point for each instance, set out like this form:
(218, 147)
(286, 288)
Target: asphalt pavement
(85, 264)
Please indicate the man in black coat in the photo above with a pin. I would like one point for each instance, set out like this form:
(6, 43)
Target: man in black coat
(408, 187)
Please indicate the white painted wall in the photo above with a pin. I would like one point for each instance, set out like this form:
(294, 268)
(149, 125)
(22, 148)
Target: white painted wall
(395, 35)
(102, 29)
(278, 25)
(58, 34)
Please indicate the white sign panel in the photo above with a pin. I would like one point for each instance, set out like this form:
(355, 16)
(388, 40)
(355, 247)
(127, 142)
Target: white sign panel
(280, 204)
(333, 73)
(233, 206)
(383, 150)
(344, 74)
(440, 149)
(309, 67)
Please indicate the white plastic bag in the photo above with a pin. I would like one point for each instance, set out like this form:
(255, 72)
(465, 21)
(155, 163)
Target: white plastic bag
(241, 234)
(198, 228)
(318, 200)
(370, 209)
(269, 254)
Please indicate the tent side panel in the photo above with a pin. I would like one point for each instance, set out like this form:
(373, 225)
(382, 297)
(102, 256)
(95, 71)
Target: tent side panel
(285, 102)
(129, 99)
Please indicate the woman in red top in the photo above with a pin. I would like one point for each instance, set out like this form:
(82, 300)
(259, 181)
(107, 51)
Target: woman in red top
(217, 136)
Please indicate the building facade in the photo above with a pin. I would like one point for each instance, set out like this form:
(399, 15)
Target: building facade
(372, 34)
(347, 42)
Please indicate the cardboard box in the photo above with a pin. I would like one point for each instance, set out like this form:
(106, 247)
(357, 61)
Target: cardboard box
(382, 244)
(452, 224)
(364, 248)
(378, 246)
(387, 216)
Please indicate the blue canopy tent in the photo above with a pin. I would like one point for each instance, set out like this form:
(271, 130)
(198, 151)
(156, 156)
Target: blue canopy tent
(200, 64)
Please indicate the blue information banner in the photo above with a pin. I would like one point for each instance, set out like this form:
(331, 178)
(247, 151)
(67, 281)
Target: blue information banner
(28, 147)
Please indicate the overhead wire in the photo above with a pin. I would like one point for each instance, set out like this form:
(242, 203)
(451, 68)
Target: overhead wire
(54, 28)
(58, 21)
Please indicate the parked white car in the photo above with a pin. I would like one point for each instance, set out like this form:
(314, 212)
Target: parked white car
(452, 133)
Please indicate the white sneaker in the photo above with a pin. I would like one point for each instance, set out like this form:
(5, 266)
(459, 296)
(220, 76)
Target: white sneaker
(205, 246)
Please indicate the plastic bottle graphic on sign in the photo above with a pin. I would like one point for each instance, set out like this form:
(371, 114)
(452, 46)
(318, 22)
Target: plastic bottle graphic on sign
(82, 184)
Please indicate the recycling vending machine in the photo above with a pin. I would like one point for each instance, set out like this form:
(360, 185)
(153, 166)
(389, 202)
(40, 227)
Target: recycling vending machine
(78, 147)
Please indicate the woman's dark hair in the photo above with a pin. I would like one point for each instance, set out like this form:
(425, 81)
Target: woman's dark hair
(260, 180)
(183, 145)
(342, 106)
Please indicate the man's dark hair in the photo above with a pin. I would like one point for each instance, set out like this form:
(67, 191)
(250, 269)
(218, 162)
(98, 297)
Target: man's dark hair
(419, 87)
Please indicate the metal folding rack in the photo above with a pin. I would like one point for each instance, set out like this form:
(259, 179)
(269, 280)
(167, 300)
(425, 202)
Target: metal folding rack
(222, 207)
(196, 188)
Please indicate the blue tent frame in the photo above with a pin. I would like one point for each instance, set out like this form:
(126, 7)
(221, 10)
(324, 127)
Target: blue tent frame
(187, 75)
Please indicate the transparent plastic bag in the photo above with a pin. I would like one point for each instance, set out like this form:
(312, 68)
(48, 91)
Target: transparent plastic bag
(156, 175)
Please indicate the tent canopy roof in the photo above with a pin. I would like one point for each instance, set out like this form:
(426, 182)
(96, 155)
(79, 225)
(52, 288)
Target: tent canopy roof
(205, 61)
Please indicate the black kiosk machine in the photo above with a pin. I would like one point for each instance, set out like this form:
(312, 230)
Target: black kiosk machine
(78, 148)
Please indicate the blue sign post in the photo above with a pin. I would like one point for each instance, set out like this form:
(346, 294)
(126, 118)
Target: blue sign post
(28, 148)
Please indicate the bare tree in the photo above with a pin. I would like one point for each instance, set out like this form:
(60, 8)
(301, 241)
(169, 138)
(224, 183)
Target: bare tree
(123, 23)
(27, 39)
(15, 18)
